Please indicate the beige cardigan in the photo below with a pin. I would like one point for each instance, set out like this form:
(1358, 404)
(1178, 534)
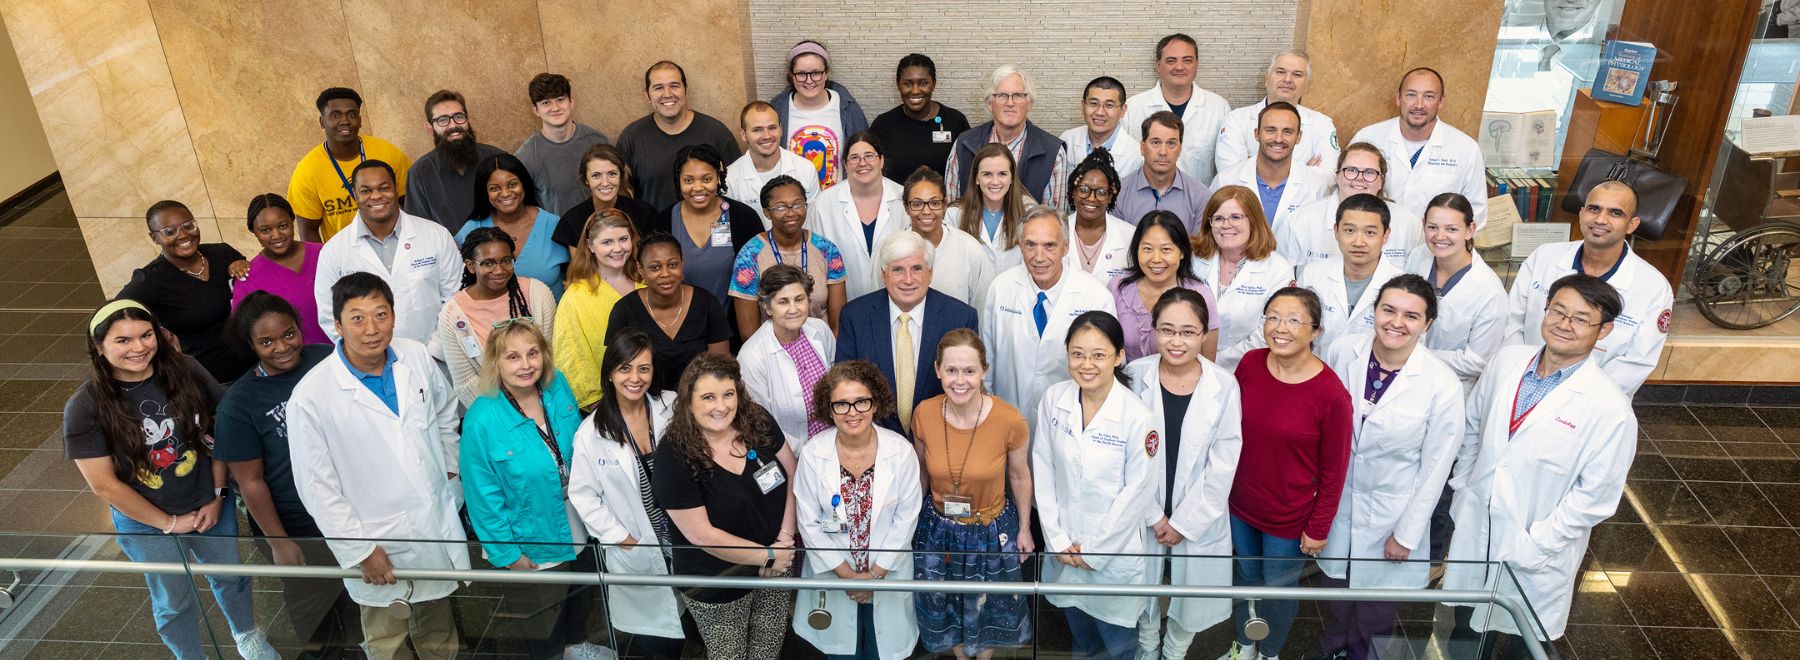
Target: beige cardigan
(453, 326)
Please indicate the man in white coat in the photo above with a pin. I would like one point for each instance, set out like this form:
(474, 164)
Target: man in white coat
(1279, 181)
(416, 257)
(1349, 285)
(1102, 106)
(1289, 76)
(1629, 353)
(1202, 112)
(1426, 156)
(766, 158)
(374, 442)
(1543, 460)
(1029, 308)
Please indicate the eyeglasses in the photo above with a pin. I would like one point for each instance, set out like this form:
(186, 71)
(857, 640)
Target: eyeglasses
(1014, 97)
(864, 404)
(922, 204)
(1286, 323)
(1556, 316)
(1233, 219)
(506, 262)
(1097, 104)
(1171, 333)
(1101, 356)
(184, 228)
(444, 121)
(519, 320)
(1357, 174)
(808, 76)
(1096, 193)
(862, 158)
(784, 209)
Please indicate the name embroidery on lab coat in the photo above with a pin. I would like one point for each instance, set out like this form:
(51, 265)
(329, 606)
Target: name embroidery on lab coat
(424, 262)
(1446, 162)
(1109, 440)
(1011, 310)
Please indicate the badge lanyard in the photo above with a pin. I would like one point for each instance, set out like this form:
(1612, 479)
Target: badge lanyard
(1517, 419)
(956, 504)
(768, 475)
(360, 157)
(776, 248)
(547, 434)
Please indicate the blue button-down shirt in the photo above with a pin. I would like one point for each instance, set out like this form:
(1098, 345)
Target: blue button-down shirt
(1533, 388)
(381, 384)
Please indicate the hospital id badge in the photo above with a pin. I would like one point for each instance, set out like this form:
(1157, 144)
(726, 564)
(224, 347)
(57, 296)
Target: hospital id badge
(940, 137)
(721, 235)
(959, 506)
(470, 348)
(769, 477)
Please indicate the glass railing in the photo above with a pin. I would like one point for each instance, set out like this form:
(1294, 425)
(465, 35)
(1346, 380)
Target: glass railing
(83, 596)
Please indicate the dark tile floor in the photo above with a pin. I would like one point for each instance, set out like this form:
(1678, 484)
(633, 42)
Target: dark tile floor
(1701, 561)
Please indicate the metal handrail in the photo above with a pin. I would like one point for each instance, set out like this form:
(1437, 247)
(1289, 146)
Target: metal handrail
(1505, 601)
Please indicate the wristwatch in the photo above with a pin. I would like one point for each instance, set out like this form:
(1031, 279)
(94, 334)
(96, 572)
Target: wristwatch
(220, 493)
(771, 562)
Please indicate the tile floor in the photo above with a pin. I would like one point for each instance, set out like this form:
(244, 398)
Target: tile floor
(1701, 561)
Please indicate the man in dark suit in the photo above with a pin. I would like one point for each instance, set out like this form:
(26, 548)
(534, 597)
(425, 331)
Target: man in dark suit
(898, 327)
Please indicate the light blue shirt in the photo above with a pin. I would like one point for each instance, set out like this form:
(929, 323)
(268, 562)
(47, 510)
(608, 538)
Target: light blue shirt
(1271, 198)
(540, 258)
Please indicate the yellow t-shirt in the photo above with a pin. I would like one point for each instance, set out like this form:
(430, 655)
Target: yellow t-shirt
(316, 191)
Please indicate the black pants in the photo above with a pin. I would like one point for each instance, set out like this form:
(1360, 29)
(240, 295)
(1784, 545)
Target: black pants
(1510, 647)
(554, 615)
(324, 618)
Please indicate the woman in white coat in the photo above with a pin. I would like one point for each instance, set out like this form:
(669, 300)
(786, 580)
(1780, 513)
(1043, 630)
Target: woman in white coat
(1099, 243)
(1094, 455)
(992, 205)
(962, 268)
(858, 213)
(788, 354)
(1309, 233)
(609, 486)
(1407, 427)
(1197, 403)
(854, 499)
(1472, 303)
(1235, 256)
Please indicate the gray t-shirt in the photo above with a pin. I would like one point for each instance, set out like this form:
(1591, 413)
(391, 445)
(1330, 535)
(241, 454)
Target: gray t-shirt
(1354, 289)
(441, 194)
(556, 168)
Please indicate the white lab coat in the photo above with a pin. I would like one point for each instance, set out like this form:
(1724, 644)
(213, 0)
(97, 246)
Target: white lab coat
(1532, 500)
(603, 488)
(744, 184)
(1201, 122)
(961, 267)
(1127, 153)
(1303, 186)
(1400, 458)
(1318, 137)
(1343, 317)
(1115, 249)
(1025, 363)
(371, 477)
(1471, 322)
(833, 215)
(1212, 437)
(1451, 163)
(998, 258)
(1093, 488)
(1310, 234)
(894, 506)
(1631, 352)
(1240, 306)
(427, 270)
(774, 381)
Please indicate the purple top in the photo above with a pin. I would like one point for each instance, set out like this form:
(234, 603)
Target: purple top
(1140, 335)
(296, 288)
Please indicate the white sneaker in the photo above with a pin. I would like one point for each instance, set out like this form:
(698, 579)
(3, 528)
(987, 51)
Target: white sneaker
(1238, 653)
(254, 645)
(588, 651)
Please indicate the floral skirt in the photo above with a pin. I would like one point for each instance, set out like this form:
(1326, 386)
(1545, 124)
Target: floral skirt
(947, 550)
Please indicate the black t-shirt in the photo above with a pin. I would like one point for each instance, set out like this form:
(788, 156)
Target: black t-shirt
(651, 153)
(194, 310)
(704, 325)
(734, 503)
(252, 425)
(574, 219)
(908, 141)
(180, 477)
(1174, 410)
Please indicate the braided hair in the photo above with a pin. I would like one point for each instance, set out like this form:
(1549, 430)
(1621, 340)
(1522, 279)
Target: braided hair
(516, 305)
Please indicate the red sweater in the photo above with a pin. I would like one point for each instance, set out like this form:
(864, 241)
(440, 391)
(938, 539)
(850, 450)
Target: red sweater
(1296, 450)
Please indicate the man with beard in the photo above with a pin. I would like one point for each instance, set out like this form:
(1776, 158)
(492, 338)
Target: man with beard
(439, 186)
(1290, 74)
(650, 143)
(1282, 183)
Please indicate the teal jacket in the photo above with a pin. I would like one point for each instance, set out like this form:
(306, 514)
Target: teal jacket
(509, 479)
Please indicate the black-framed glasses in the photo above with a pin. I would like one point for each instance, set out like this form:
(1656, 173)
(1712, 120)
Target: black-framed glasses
(864, 404)
(1557, 316)
(1014, 97)
(922, 204)
(808, 76)
(1096, 193)
(1358, 174)
(444, 121)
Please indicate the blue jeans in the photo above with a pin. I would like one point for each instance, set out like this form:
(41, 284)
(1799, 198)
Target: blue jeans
(1098, 639)
(865, 636)
(172, 597)
(1249, 547)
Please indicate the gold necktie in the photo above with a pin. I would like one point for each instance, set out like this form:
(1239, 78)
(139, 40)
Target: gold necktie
(904, 363)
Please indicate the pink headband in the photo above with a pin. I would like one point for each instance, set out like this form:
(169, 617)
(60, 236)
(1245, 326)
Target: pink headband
(808, 48)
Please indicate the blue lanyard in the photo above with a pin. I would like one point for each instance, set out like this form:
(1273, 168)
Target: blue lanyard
(360, 157)
(775, 248)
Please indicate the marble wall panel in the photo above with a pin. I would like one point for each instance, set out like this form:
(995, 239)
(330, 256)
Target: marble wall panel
(108, 105)
(1360, 48)
(486, 49)
(247, 75)
(604, 46)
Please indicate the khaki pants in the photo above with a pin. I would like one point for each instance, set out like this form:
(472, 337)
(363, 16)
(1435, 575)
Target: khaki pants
(431, 627)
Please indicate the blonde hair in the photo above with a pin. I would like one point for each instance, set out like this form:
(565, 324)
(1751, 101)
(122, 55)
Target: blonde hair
(585, 267)
(1262, 240)
(489, 382)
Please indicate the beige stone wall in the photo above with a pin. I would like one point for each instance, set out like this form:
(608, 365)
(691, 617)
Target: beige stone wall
(28, 158)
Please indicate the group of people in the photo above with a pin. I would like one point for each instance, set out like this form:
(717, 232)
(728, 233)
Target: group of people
(780, 362)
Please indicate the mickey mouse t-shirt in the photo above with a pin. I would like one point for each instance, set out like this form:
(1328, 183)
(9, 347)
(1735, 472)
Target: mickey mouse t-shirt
(180, 476)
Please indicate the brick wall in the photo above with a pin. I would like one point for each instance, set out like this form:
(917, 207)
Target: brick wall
(1062, 45)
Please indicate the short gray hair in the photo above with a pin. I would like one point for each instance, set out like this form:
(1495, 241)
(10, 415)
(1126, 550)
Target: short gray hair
(1001, 74)
(902, 244)
(1296, 52)
(1036, 211)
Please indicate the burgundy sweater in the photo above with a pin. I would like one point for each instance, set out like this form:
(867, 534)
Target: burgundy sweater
(1296, 450)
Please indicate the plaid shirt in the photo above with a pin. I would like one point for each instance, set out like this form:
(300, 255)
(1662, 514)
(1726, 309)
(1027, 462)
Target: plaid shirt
(1533, 388)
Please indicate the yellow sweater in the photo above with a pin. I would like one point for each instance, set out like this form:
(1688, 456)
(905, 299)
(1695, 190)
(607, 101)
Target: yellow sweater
(580, 336)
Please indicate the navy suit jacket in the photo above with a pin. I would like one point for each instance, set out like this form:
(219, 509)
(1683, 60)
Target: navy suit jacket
(866, 333)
